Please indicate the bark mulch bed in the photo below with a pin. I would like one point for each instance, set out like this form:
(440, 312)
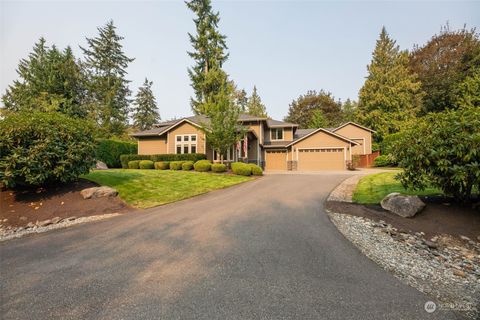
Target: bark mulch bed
(19, 207)
(438, 217)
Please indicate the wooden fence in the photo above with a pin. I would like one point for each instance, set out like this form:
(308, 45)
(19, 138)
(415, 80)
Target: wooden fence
(365, 160)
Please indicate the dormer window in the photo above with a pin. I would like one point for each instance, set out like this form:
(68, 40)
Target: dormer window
(276, 134)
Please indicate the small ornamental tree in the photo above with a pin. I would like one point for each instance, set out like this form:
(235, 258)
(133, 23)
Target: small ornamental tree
(442, 150)
(38, 148)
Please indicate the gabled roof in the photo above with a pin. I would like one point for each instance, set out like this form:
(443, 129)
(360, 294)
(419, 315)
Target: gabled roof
(279, 124)
(323, 130)
(302, 132)
(355, 124)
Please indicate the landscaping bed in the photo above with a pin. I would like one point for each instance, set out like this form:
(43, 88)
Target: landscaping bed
(18, 208)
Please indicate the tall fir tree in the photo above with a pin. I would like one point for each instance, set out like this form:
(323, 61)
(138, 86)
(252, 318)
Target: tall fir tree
(145, 112)
(255, 107)
(209, 48)
(49, 80)
(239, 97)
(391, 94)
(105, 65)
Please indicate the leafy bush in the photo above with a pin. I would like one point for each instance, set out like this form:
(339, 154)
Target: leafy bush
(162, 165)
(109, 151)
(146, 164)
(187, 165)
(134, 164)
(241, 168)
(124, 158)
(256, 170)
(202, 165)
(219, 167)
(37, 148)
(176, 165)
(382, 161)
(442, 150)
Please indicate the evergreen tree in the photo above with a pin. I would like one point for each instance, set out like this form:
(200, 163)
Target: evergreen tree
(145, 112)
(301, 111)
(318, 120)
(255, 107)
(208, 52)
(106, 64)
(390, 95)
(349, 108)
(49, 80)
(240, 98)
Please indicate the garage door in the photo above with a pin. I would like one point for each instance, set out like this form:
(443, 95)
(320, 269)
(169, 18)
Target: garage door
(321, 159)
(276, 160)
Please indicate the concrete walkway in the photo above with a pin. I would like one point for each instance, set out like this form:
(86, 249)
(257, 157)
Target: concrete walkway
(260, 250)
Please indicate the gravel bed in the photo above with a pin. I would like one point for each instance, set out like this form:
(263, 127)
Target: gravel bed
(8, 233)
(443, 267)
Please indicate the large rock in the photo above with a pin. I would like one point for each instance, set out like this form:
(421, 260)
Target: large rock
(101, 165)
(98, 192)
(404, 206)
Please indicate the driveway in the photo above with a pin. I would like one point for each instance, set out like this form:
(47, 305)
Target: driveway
(261, 250)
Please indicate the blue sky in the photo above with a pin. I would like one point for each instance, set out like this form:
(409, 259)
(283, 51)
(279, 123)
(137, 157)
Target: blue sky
(284, 47)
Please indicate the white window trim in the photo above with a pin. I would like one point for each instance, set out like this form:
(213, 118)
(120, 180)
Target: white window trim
(189, 143)
(283, 134)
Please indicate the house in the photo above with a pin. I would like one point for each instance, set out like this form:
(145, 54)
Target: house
(273, 144)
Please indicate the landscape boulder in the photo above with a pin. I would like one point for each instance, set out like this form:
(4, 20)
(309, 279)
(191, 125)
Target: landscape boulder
(101, 165)
(402, 205)
(98, 192)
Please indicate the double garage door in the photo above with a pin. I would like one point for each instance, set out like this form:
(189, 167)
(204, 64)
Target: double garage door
(308, 159)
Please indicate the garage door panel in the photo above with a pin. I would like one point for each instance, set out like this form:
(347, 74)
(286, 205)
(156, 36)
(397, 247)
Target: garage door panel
(276, 160)
(321, 159)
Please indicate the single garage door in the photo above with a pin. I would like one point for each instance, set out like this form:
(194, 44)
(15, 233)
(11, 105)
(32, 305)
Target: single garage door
(321, 159)
(276, 160)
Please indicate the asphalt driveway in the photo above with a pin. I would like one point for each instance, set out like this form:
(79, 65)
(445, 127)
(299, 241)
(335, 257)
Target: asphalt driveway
(260, 250)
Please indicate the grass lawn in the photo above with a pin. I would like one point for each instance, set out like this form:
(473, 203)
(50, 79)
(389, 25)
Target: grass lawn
(373, 188)
(149, 188)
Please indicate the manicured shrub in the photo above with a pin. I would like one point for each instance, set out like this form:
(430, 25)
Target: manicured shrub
(202, 165)
(219, 167)
(146, 164)
(442, 150)
(162, 165)
(134, 164)
(256, 170)
(110, 150)
(382, 161)
(241, 169)
(124, 158)
(187, 165)
(176, 165)
(38, 148)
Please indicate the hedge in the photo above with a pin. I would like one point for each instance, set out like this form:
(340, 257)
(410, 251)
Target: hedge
(187, 165)
(38, 148)
(125, 158)
(382, 161)
(176, 165)
(219, 167)
(241, 168)
(256, 170)
(162, 165)
(202, 165)
(110, 150)
(134, 164)
(146, 164)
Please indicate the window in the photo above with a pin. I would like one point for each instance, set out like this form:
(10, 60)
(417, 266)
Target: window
(186, 143)
(276, 134)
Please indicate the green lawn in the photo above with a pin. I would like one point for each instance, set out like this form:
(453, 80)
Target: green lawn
(149, 188)
(373, 188)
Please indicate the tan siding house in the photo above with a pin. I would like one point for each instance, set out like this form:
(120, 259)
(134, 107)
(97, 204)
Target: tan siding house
(275, 145)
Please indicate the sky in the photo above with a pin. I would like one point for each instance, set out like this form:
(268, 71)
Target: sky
(285, 48)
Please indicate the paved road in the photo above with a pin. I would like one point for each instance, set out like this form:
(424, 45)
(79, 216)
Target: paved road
(260, 250)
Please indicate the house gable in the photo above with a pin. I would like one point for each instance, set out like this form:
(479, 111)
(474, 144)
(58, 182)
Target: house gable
(359, 134)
